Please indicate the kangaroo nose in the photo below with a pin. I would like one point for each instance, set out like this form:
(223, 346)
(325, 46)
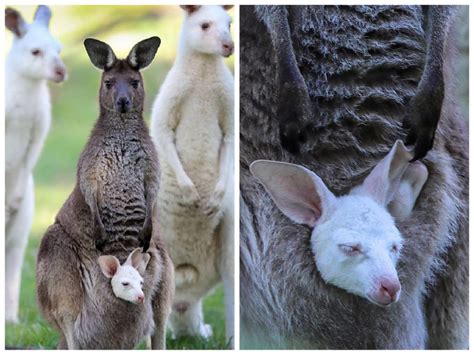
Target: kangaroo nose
(390, 288)
(228, 48)
(60, 74)
(123, 104)
(140, 298)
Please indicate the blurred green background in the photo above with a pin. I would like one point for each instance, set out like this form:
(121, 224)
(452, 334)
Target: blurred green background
(75, 109)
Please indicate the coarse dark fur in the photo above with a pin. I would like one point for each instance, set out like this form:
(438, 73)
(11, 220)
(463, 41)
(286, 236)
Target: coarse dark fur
(424, 108)
(361, 65)
(114, 197)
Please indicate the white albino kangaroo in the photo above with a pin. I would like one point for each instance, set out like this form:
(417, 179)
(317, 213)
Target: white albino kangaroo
(355, 242)
(192, 126)
(33, 60)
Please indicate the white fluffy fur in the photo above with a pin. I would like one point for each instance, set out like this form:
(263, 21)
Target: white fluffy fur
(126, 281)
(27, 121)
(355, 241)
(192, 126)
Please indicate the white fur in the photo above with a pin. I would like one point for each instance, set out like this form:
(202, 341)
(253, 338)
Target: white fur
(27, 121)
(126, 281)
(355, 241)
(192, 126)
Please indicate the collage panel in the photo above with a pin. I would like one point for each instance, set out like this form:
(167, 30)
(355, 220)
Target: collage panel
(354, 196)
(119, 177)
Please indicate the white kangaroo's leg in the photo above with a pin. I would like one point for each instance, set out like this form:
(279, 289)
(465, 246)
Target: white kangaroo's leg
(16, 241)
(226, 270)
(187, 318)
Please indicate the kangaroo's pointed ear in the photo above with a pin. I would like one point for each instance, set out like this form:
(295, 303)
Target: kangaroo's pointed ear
(143, 52)
(100, 53)
(109, 265)
(138, 260)
(384, 179)
(15, 23)
(409, 189)
(227, 7)
(190, 8)
(298, 192)
(43, 15)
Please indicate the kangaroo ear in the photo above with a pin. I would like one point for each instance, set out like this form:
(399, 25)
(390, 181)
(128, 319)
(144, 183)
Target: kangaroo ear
(227, 7)
(43, 15)
(384, 179)
(100, 53)
(143, 52)
(409, 189)
(190, 8)
(138, 260)
(298, 192)
(15, 23)
(109, 265)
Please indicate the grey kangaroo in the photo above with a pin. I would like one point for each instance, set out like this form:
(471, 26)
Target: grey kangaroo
(110, 211)
(423, 111)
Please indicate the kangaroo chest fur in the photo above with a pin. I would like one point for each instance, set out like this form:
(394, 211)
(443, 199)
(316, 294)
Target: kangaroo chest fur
(120, 179)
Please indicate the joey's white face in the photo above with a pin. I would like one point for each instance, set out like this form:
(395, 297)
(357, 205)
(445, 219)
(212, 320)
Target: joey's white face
(127, 284)
(357, 247)
(37, 54)
(207, 30)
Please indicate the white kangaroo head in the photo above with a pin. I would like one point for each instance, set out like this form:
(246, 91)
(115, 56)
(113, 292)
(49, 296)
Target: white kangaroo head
(206, 29)
(354, 238)
(126, 280)
(35, 52)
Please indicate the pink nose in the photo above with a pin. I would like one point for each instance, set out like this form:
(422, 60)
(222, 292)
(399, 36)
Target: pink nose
(60, 73)
(140, 298)
(387, 291)
(228, 47)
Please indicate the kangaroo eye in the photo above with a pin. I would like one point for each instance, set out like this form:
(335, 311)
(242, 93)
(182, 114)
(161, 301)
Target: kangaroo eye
(125, 283)
(108, 84)
(36, 52)
(135, 83)
(395, 248)
(141, 283)
(205, 26)
(350, 249)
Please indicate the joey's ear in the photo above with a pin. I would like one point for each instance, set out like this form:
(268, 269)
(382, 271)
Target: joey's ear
(15, 23)
(138, 260)
(43, 15)
(227, 7)
(409, 189)
(109, 265)
(100, 53)
(143, 52)
(384, 179)
(298, 192)
(190, 8)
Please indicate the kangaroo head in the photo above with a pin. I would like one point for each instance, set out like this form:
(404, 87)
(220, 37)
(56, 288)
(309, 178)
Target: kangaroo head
(206, 29)
(354, 239)
(127, 283)
(121, 89)
(35, 52)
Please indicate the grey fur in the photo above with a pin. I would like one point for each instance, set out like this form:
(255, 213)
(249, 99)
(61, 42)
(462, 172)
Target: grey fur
(114, 198)
(361, 65)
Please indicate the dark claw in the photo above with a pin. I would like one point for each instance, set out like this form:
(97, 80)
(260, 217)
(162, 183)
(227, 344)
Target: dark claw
(100, 244)
(145, 237)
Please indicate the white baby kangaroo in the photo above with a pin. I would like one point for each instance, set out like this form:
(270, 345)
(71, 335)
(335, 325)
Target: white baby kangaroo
(192, 126)
(33, 60)
(126, 279)
(355, 242)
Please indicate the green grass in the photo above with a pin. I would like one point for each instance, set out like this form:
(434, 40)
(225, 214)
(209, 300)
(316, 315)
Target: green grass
(75, 110)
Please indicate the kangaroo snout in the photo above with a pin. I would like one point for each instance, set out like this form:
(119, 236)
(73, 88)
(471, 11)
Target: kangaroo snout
(122, 104)
(228, 48)
(59, 74)
(387, 291)
(140, 299)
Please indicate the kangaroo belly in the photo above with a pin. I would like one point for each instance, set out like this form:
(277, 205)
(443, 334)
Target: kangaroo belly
(198, 138)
